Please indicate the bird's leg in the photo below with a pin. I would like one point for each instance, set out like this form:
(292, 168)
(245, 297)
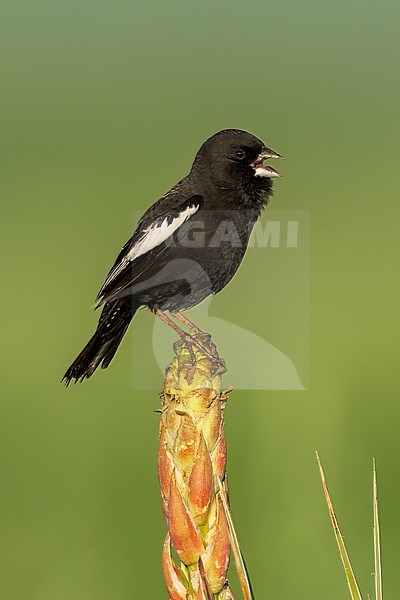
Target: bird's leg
(206, 336)
(182, 334)
(178, 315)
(165, 318)
(190, 340)
(205, 339)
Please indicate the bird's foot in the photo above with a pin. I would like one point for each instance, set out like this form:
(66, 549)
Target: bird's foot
(197, 342)
(200, 344)
(218, 366)
(186, 342)
(204, 337)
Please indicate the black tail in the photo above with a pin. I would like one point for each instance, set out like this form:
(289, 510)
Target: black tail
(113, 323)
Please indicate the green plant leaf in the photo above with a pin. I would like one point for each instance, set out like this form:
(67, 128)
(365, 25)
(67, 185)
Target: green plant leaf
(241, 569)
(377, 539)
(351, 580)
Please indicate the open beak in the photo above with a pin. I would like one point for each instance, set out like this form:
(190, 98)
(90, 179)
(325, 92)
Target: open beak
(258, 164)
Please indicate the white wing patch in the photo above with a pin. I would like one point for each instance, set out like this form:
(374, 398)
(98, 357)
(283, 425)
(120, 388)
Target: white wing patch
(152, 236)
(156, 234)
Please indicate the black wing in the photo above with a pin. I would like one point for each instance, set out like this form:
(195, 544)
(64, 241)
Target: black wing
(149, 241)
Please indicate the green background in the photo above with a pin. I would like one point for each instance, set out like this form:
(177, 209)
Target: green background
(103, 106)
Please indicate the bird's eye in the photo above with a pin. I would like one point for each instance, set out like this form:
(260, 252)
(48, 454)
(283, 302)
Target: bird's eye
(239, 153)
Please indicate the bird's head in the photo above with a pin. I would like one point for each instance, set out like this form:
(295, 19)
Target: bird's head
(234, 155)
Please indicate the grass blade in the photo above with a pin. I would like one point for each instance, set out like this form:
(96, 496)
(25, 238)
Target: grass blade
(351, 580)
(377, 539)
(241, 569)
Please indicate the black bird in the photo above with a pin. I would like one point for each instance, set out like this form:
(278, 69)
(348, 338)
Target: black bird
(187, 246)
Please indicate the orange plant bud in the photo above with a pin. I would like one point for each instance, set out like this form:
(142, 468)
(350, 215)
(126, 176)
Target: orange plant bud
(201, 485)
(216, 559)
(218, 455)
(191, 459)
(184, 535)
(185, 443)
(172, 575)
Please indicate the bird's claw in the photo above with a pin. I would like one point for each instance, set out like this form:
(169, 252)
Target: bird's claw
(201, 342)
(218, 366)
